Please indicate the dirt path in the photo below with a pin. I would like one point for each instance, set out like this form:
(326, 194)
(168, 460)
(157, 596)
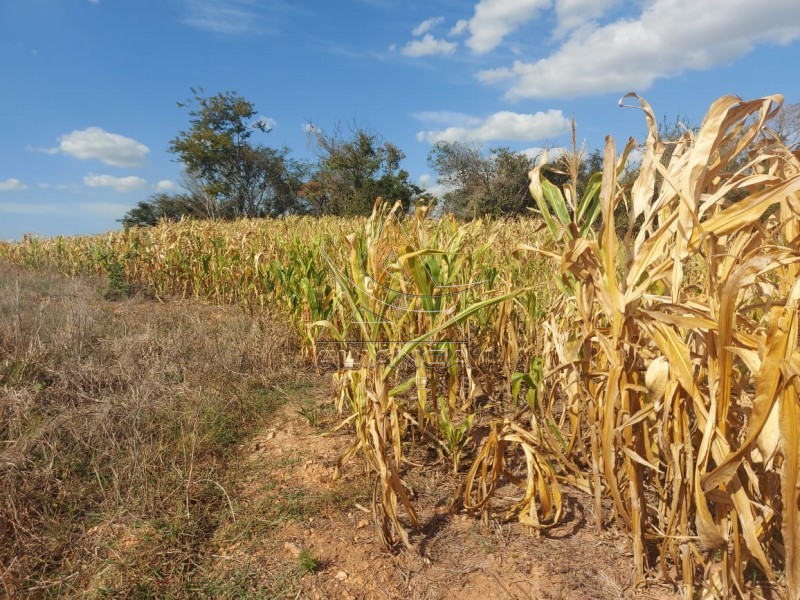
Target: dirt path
(309, 536)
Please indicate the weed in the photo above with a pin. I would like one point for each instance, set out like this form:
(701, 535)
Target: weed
(307, 562)
(311, 415)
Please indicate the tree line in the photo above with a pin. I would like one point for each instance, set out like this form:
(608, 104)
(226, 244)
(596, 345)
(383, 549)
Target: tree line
(227, 174)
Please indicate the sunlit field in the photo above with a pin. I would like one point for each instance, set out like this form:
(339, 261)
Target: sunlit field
(634, 349)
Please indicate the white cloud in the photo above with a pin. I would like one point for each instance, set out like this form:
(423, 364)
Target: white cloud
(490, 76)
(670, 36)
(427, 46)
(635, 157)
(495, 19)
(41, 149)
(428, 183)
(536, 153)
(503, 125)
(267, 123)
(12, 185)
(427, 25)
(572, 14)
(228, 17)
(120, 184)
(459, 28)
(110, 148)
(166, 185)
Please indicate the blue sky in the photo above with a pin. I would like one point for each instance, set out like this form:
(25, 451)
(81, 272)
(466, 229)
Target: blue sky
(88, 101)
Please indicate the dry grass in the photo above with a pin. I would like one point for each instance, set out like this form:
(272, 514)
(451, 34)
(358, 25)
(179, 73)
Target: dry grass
(119, 430)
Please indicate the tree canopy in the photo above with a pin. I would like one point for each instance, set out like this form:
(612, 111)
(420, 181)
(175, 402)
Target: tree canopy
(229, 174)
(353, 170)
(494, 184)
(236, 177)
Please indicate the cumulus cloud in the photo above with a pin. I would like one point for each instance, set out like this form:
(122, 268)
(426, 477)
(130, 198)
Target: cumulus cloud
(12, 185)
(635, 157)
(166, 185)
(669, 37)
(495, 19)
(110, 148)
(427, 25)
(427, 46)
(503, 125)
(120, 184)
(425, 180)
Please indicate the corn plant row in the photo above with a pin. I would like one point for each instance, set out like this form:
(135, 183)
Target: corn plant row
(652, 368)
(681, 396)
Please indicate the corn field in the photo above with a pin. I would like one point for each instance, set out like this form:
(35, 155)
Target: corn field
(652, 368)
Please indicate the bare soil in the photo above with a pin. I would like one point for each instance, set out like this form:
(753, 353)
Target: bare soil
(458, 556)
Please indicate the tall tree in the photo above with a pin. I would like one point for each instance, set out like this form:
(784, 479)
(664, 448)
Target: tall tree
(162, 206)
(353, 170)
(786, 124)
(235, 177)
(495, 184)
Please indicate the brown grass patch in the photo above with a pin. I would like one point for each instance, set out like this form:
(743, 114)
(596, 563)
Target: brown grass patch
(119, 430)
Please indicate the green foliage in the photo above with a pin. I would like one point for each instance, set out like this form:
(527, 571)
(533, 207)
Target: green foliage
(455, 437)
(491, 185)
(533, 380)
(353, 171)
(227, 175)
(311, 414)
(221, 126)
(307, 562)
(172, 207)
(114, 267)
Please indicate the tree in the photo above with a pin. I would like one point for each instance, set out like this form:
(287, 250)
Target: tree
(353, 171)
(267, 185)
(227, 176)
(162, 206)
(234, 177)
(481, 185)
(786, 124)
